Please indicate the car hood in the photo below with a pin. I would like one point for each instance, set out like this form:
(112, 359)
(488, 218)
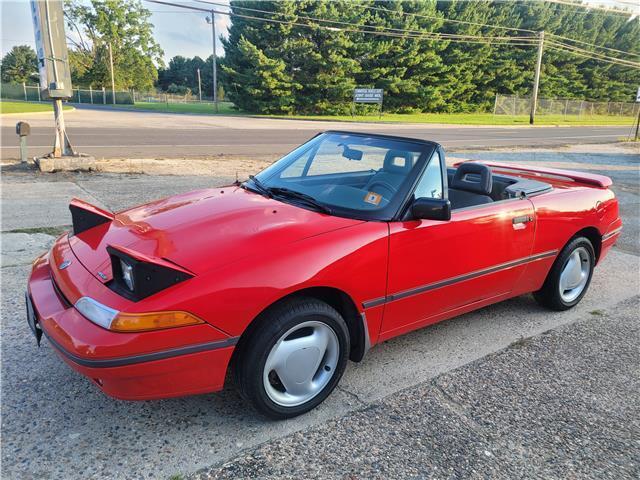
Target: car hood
(202, 230)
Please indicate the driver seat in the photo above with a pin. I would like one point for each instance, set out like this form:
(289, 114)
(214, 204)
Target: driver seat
(397, 165)
(471, 185)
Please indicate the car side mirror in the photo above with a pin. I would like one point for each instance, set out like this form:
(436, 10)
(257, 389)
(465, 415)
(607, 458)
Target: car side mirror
(425, 208)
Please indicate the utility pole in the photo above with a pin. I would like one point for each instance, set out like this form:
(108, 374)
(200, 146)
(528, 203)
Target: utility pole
(199, 86)
(215, 67)
(61, 145)
(113, 83)
(536, 79)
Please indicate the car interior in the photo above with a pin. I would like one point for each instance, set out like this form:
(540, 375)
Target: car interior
(472, 184)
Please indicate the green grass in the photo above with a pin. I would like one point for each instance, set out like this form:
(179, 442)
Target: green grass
(27, 107)
(223, 107)
(471, 119)
(226, 108)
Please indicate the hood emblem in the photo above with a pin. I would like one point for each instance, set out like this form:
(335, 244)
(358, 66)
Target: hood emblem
(102, 275)
(64, 264)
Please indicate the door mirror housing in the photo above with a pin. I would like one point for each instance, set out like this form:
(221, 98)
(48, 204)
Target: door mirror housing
(431, 209)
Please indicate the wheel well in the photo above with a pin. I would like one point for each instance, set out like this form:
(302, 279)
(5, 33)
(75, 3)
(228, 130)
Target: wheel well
(337, 299)
(594, 237)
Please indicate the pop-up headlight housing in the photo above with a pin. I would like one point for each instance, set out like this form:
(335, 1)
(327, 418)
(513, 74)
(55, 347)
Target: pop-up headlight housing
(85, 216)
(137, 276)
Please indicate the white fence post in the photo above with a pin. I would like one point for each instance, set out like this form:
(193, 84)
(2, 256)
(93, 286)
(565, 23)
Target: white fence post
(24, 87)
(91, 94)
(104, 96)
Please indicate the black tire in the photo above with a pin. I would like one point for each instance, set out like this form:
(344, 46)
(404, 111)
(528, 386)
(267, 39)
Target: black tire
(549, 295)
(254, 350)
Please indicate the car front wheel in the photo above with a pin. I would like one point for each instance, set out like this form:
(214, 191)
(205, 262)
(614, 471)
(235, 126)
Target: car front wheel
(570, 276)
(293, 358)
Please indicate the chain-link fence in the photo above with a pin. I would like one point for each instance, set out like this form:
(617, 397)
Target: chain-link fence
(515, 105)
(159, 97)
(31, 93)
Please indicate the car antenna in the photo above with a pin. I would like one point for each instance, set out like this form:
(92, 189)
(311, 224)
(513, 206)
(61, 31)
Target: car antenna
(237, 182)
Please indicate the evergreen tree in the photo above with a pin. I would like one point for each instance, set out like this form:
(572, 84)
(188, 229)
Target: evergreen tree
(20, 65)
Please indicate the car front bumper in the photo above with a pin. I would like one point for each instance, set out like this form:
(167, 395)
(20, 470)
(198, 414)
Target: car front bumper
(129, 366)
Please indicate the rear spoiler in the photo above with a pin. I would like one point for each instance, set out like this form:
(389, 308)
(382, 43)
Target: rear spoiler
(594, 179)
(85, 216)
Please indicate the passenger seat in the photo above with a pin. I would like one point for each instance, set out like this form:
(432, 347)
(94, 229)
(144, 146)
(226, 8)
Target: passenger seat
(471, 185)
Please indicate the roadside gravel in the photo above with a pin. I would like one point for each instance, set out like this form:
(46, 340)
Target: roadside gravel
(565, 404)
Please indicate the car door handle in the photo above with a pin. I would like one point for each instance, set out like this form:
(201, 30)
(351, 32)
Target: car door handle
(520, 222)
(522, 219)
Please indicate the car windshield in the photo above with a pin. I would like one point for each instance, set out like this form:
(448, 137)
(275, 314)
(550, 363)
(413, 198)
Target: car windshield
(357, 175)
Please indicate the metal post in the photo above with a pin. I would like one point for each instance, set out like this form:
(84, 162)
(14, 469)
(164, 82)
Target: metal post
(495, 104)
(536, 79)
(38, 89)
(104, 96)
(24, 87)
(638, 124)
(79, 95)
(113, 83)
(23, 148)
(91, 94)
(215, 61)
(62, 145)
(199, 86)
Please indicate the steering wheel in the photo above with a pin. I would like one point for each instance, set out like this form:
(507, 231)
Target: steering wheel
(387, 186)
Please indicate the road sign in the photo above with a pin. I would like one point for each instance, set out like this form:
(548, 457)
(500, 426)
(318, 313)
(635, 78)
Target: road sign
(368, 95)
(51, 48)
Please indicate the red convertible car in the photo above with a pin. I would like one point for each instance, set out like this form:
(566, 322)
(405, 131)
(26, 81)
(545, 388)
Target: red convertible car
(347, 241)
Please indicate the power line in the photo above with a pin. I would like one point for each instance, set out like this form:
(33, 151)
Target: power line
(420, 31)
(424, 36)
(593, 45)
(512, 41)
(594, 54)
(449, 20)
(585, 53)
(398, 30)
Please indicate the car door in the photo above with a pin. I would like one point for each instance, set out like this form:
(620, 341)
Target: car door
(438, 267)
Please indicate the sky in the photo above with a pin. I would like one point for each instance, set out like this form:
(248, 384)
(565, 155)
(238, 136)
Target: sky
(178, 31)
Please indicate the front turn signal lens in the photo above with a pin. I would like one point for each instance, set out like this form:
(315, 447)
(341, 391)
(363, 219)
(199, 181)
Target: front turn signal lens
(140, 322)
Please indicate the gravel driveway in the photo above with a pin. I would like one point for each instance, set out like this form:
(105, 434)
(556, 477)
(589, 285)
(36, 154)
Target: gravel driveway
(438, 402)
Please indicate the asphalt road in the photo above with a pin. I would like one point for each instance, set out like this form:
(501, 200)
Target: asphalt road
(116, 134)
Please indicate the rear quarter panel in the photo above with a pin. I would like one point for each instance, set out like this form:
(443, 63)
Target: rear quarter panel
(561, 214)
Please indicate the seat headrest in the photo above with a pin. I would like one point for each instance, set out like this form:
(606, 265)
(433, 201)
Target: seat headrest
(398, 161)
(483, 185)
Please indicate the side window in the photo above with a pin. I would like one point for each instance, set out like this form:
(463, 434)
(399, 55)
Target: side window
(430, 185)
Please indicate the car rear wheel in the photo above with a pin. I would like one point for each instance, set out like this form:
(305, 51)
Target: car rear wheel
(569, 277)
(293, 359)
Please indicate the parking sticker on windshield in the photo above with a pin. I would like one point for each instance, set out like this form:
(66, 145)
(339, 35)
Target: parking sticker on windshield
(373, 198)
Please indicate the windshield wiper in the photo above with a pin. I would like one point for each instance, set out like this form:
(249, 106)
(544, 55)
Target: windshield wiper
(308, 199)
(258, 186)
